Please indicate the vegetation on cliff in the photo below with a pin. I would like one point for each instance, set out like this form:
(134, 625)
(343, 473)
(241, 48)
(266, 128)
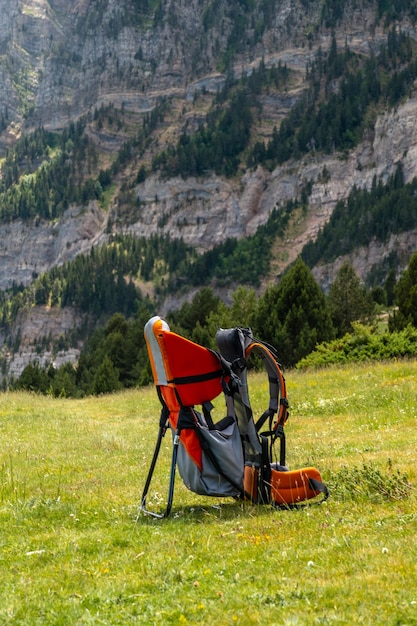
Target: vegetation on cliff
(109, 153)
(307, 328)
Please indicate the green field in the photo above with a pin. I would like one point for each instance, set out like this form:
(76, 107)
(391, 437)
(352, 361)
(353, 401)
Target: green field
(73, 549)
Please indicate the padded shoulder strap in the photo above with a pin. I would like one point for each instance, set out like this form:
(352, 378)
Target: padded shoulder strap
(231, 344)
(278, 402)
(236, 346)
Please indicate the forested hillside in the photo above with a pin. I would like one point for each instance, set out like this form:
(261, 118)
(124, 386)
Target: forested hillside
(150, 150)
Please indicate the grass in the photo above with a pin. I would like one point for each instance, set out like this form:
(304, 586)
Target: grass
(73, 549)
(107, 196)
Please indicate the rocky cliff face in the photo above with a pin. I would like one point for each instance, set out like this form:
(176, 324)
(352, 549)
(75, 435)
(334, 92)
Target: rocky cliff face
(64, 59)
(27, 250)
(60, 60)
(205, 212)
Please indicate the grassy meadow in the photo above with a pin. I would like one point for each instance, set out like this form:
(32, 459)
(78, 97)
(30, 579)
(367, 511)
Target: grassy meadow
(73, 549)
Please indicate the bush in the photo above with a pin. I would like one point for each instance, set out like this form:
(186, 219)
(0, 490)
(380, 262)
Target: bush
(363, 345)
(369, 482)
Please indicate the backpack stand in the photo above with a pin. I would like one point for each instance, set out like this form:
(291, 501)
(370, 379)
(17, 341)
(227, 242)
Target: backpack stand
(163, 425)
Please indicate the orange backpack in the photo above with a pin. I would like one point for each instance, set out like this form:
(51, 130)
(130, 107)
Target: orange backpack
(234, 456)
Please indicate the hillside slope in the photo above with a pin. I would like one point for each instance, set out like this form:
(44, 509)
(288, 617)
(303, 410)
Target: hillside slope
(141, 75)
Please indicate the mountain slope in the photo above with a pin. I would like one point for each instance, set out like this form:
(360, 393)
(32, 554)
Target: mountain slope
(145, 77)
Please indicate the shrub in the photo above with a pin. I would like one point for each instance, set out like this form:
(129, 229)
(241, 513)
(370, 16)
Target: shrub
(369, 482)
(363, 345)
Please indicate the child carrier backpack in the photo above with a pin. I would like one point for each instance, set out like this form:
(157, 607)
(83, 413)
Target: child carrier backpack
(233, 457)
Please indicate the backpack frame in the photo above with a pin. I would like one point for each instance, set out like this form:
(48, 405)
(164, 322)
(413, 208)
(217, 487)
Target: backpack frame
(233, 457)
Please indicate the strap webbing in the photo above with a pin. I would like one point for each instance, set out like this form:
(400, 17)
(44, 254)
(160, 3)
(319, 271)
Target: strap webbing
(196, 378)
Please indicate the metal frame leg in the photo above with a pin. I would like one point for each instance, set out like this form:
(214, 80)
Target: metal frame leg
(167, 511)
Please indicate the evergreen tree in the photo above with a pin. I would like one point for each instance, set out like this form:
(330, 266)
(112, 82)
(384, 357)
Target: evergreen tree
(242, 312)
(390, 283)
(106, 378)
(406, 297)
(64, 382)
(294, 315)
(191, 317)
(33, 378)
(349, 301)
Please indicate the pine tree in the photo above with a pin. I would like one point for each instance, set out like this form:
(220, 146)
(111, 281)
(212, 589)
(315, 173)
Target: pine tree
(294, 315)
(106, 378)
(349, 300)
(406, 296)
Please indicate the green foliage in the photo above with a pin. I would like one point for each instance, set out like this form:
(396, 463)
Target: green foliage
(366, 214)
(135, 145)
(200, 319)
(113, 358)
(370, 483)
(214, 147)
(219, 143)
(47, 380)
(106, 378)
(129, 13)
(63, 381)
(43, 174)
(349, 301)
(245, 261)
(294, 315)
(190, 319)
(406, 297)
(34, 378)
(248, 21)
(102, 282)
(326, 119)
(392, 10)
(363, 345)
(331, 12)
(241, 312)
(382, 279)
